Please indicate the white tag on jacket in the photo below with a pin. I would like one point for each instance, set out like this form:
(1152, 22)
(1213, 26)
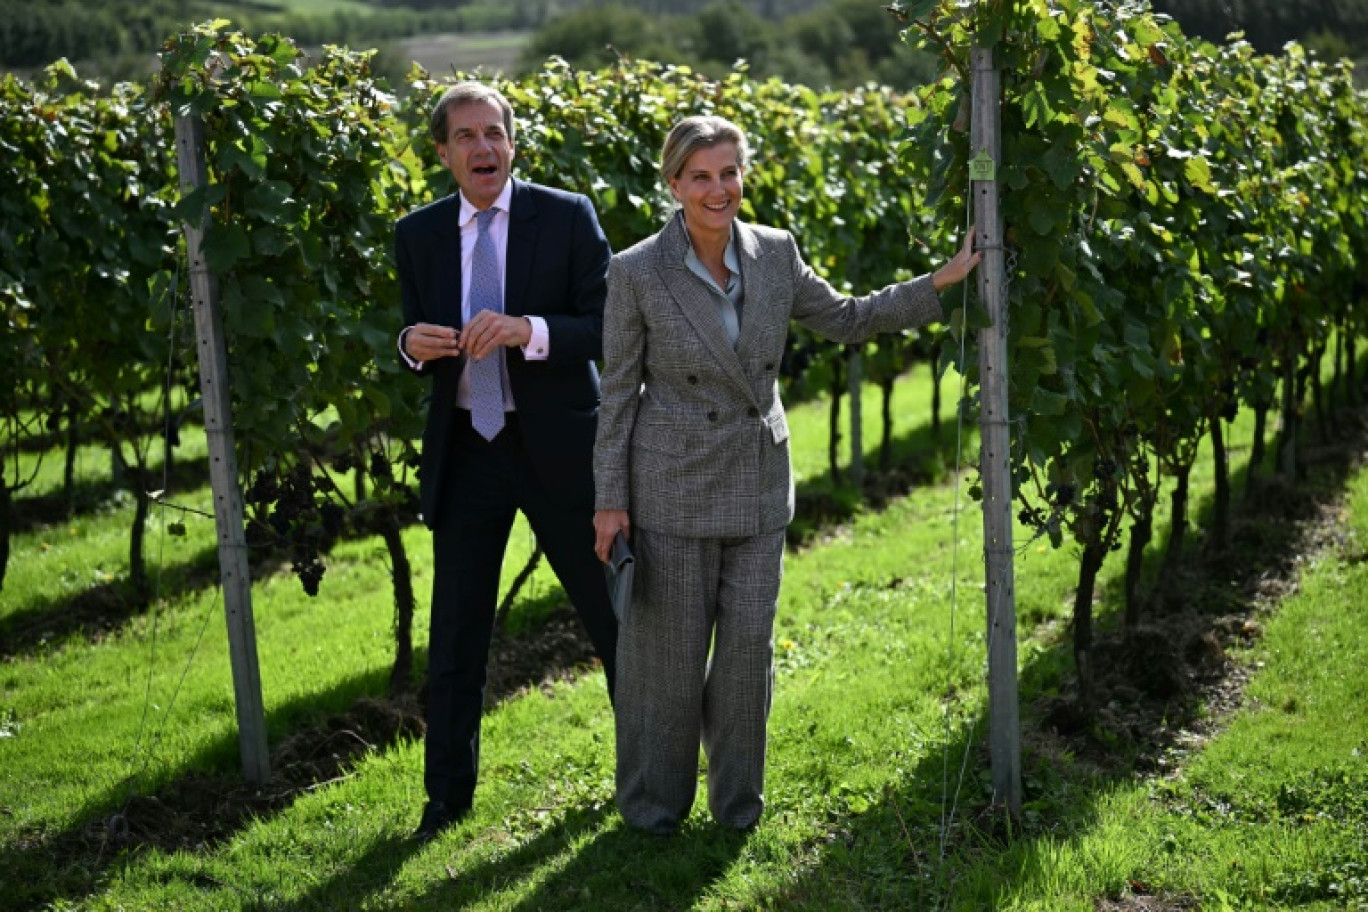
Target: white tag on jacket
(778, 426)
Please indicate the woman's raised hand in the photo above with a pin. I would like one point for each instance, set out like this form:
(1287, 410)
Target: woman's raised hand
(960, 265)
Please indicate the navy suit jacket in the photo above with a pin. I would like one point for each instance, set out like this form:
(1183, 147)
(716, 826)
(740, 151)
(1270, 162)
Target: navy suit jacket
(556, 265)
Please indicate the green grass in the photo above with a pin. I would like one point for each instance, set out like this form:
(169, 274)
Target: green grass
(880, 651)
(1271, 814)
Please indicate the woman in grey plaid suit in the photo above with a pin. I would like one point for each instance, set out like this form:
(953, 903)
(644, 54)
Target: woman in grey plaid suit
(692, 464)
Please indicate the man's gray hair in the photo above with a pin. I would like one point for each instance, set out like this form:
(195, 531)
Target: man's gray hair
(699, 132)
(463, 93)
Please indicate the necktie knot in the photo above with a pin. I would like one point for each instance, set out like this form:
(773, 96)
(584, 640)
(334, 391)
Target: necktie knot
(485, 218)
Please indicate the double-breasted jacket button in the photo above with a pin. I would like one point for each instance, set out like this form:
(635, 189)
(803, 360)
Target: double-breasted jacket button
(769, 365)
(753, 412)
(693, 379)
(712, 416)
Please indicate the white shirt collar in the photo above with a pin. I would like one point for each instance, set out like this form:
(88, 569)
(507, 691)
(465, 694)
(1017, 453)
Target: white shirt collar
(729, 257)
(504, 202)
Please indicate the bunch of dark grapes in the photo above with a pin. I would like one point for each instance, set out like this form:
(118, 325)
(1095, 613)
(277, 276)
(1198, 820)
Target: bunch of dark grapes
(381, 471)
(310, 575)
(333, 519)
(263, 490)
(294, 503)
(1030, 516)
(285, 507)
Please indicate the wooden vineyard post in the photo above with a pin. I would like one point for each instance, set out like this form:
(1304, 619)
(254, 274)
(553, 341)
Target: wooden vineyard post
(995, 454)
(232, 542)
(854, 386)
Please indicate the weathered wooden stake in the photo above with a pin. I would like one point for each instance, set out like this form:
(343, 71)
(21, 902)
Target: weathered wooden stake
(855, 386)
(995, 453)
(218, 427)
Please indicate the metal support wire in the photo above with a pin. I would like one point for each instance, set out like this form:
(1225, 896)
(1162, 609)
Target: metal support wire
(140, 758)
(948, 813)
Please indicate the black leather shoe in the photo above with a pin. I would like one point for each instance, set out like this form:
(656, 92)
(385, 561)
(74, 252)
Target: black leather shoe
(437, 817)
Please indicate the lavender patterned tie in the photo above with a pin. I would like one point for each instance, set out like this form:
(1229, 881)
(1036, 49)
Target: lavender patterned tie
(486, 376)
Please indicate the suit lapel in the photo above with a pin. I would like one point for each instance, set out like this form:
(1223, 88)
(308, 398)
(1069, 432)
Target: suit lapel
(755, 285)
(522, 248)
(695, 300)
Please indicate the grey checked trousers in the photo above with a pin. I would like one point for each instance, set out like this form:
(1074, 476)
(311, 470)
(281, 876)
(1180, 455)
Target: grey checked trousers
(693, 597)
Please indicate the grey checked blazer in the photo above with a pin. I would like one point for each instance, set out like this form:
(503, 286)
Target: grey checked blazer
(692, 439)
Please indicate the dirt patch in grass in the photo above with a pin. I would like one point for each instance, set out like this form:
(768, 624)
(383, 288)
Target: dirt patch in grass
(1148, 904)
(198, 810)
(1164, 688)
(557, 650)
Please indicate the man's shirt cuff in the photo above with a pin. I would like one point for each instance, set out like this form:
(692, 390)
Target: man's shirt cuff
(538, 348)
(403, 337)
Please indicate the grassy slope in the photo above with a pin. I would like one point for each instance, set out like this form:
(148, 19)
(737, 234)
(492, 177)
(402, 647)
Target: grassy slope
(1273, 813)
(496, 52)
(874, 703)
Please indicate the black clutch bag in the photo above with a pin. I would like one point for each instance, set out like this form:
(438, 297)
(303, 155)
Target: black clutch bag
(620, 570)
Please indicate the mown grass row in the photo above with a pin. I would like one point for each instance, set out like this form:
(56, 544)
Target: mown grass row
(879, 706)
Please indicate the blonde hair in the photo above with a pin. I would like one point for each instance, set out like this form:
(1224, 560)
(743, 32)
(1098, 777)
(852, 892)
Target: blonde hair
(699, 132)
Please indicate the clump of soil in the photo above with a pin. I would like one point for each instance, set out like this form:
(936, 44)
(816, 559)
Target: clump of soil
(558, 650)
(1144, 903)
(197, 809)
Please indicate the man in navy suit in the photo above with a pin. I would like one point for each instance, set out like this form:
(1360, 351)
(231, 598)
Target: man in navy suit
(503, 287)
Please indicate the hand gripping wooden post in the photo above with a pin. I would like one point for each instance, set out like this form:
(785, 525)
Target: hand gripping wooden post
(995, 454)
(218, 426)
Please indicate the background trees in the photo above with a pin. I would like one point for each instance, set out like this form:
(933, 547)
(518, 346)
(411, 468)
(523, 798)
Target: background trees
(840, 43)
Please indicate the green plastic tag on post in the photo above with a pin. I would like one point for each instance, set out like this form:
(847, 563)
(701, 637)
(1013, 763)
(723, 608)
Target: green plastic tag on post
(982, 167)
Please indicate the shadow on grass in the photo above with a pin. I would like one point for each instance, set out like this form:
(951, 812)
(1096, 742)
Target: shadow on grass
(94, 495)
(598, 861)
(100, 610)
(659, 872)
(203, 800)
(353, 886)
(316, 739)
(585, 865)
(106, 608)
(365, 877)
(1168, 682)
(917, 458)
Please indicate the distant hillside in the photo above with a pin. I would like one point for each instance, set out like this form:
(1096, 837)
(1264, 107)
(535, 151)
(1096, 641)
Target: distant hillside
(817, 41)
(115, 38)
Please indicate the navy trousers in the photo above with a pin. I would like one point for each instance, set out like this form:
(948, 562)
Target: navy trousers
(489, 483)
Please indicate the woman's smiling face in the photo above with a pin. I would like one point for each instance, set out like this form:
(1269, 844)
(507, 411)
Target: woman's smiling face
(709, 187)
